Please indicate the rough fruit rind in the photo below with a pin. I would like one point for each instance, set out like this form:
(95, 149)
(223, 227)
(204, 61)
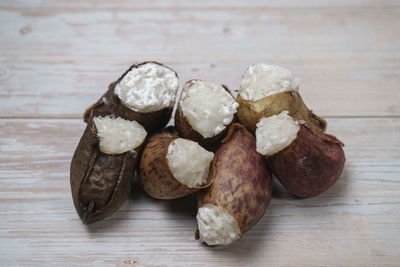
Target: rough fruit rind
(242, 183)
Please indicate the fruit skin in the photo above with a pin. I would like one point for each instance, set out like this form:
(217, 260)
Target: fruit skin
(110, 104)
(242, 183)
(154, 174)
(250, 112)
(310, 165)
(100, 183)
(186, 130)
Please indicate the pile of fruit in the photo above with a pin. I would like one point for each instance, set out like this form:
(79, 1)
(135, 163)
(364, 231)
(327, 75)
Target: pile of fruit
(222, 148)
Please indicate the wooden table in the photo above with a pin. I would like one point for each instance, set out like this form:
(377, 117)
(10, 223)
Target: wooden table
(57, 57)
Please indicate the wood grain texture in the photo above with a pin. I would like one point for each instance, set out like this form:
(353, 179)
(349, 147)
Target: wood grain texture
(58, 57)
(356, 222)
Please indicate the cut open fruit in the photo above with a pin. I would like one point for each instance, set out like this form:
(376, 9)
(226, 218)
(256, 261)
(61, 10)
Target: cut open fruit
(172, 167)
(118, 135)
(306, 162)
(207, 107)
(217, 226)
(275, 133)
(189, 162)
(262, 80)
(103, 166)
(268, 90)
(204, 112)
(240, 192)
(147, 88)
(144, 93)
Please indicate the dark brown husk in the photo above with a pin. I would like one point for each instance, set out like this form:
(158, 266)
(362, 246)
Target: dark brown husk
(110, 103)
(100, 183)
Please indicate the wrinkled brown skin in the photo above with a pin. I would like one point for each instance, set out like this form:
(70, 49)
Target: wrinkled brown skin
(110, 103)
(310, 164)
(186, 130)
(100, 183)
(250, 112)
(242, 183)
(154, 173)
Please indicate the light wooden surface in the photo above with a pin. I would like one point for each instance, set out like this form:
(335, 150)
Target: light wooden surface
(57, 57)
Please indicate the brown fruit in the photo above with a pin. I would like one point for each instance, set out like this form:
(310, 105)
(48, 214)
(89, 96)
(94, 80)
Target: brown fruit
(242, 184)
(154, 172)
(187, 131)
(110, 103)
(100, 183)
(310, 165)
(250, 112)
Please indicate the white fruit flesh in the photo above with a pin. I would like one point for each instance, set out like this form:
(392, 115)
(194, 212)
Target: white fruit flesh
(216, 226)
(149, 87)
(118, 135)
(207, 107)
(262, 80)
(275, 133)
(188, 162)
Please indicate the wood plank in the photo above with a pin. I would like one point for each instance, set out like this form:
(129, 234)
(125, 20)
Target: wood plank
(355, 223)
(92, 4)
(58, 58)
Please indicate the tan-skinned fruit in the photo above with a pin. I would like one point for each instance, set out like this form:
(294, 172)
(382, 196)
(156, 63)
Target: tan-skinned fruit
(250, 112)
(154, 174)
